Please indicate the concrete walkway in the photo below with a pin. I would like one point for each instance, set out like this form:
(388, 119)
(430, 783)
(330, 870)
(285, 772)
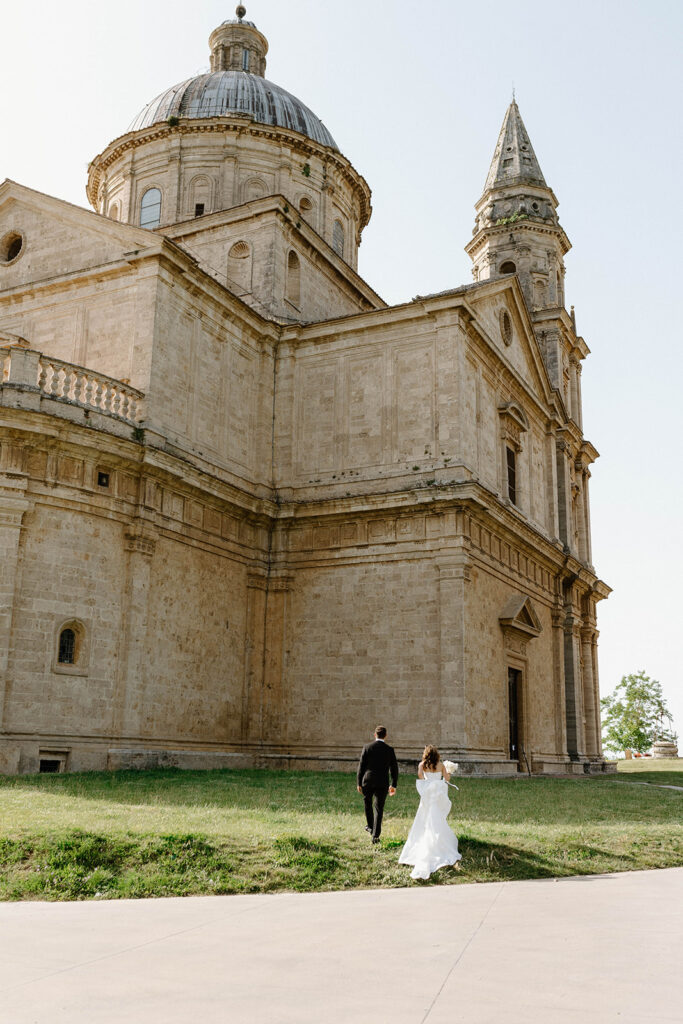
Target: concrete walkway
(593, 950)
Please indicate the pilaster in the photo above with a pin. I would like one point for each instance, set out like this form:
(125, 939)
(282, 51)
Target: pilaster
(590, 711)
(13, 506)
(254, 658)
(576, 744)
(139, 547)
(274, 698)
(454, 575)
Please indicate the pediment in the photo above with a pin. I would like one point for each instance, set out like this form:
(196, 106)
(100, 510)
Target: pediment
(60, 238)
(502, 319)
(520, 616)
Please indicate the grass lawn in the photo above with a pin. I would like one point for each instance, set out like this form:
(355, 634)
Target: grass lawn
(163, 833)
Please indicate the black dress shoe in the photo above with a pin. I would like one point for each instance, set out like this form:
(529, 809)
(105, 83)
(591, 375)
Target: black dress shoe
(375, 839)
(368, 829)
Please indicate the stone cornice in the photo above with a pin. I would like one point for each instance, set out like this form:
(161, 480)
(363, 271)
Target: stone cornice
(240, 126)
(527, 225)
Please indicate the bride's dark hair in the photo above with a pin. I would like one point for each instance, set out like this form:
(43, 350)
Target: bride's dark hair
(430, 757)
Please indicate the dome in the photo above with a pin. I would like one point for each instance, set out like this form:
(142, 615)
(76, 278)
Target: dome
(224, 93)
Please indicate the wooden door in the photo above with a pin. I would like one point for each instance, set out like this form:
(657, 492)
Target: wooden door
(514, 687)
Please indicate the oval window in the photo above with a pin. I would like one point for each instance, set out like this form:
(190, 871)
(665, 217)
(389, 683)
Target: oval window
(11, 246)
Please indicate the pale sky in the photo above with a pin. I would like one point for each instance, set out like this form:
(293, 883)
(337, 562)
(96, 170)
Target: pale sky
(414, 95)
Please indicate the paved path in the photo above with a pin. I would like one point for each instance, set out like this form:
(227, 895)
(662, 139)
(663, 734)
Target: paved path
(592, 950)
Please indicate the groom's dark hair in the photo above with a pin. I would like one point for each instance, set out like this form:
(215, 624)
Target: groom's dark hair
(380, 732)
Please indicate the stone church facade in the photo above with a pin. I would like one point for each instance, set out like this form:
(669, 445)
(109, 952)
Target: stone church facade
(247, 510)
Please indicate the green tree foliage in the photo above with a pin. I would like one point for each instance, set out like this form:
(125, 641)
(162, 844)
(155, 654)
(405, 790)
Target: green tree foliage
(635, 715)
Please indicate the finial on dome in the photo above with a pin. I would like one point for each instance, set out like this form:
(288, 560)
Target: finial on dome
(237, 45)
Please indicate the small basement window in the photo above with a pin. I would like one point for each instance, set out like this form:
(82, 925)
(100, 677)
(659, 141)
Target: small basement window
(49, 765)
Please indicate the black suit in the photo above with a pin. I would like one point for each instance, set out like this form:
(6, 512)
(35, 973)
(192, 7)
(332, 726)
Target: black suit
(377, 763)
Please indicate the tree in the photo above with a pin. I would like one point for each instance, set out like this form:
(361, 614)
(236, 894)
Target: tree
(635, 715)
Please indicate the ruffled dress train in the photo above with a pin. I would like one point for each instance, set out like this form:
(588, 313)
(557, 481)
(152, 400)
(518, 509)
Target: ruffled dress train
(431, 843)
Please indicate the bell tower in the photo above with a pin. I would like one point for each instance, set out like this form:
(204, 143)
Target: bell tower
(517, 230)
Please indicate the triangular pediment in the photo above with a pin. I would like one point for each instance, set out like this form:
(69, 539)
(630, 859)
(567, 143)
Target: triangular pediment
(59, 238)
(520, 615)
(502, 320)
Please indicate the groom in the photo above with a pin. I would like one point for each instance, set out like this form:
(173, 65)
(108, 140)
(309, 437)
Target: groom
(377, 763)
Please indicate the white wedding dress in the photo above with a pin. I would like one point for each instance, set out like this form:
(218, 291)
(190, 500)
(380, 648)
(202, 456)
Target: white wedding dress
(431, 844)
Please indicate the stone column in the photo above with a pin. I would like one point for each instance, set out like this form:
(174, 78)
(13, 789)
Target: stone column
(128, 194)
(572, 678)
(587, 516)
(560, 708)
(574, 390)
(579, 399)
(129, 694)
(274, 719)
(589, 710)
(564, 492)
(254, 653)
(454, 574)
(596, 690)
(13, 506)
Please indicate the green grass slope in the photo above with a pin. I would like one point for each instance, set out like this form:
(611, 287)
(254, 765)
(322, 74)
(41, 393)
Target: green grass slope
(168, 833)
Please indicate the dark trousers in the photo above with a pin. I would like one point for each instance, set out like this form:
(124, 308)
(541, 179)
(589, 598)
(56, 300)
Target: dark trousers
(373, 816)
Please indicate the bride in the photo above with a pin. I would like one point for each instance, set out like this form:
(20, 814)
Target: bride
(431, 844)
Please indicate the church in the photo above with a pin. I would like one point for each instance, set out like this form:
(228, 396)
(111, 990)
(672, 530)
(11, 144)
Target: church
(247, 509)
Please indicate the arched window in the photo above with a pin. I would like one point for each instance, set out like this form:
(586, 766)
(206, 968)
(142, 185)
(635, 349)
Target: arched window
(67, 647)
(71, 651)
(239, 268)
(150, 209)
(199, 196)
(338, 238)
(508, 267)
(293, 289)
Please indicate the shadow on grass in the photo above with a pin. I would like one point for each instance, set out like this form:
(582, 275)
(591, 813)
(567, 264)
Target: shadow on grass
(80, 865)
(536, 800)
(487, 862)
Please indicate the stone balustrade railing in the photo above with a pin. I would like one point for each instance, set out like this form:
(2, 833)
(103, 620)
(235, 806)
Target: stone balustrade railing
(70, 383)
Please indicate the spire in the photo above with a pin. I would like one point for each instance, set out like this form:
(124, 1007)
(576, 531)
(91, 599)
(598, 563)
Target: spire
(514, 159)
(517, 230)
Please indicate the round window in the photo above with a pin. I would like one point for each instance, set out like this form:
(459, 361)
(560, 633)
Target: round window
(506, 326)
(11, 247)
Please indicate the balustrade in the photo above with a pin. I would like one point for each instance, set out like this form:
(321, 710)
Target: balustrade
(68, 382)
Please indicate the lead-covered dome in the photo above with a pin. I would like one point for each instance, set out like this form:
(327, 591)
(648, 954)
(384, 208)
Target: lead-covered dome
(230, 92)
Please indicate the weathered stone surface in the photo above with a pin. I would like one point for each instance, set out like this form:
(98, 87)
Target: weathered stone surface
(262, 535)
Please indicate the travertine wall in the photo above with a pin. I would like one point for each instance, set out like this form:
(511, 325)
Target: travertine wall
(194, 663)
(306, 530)
(362, 646)
(272, 229)
(71, 567)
